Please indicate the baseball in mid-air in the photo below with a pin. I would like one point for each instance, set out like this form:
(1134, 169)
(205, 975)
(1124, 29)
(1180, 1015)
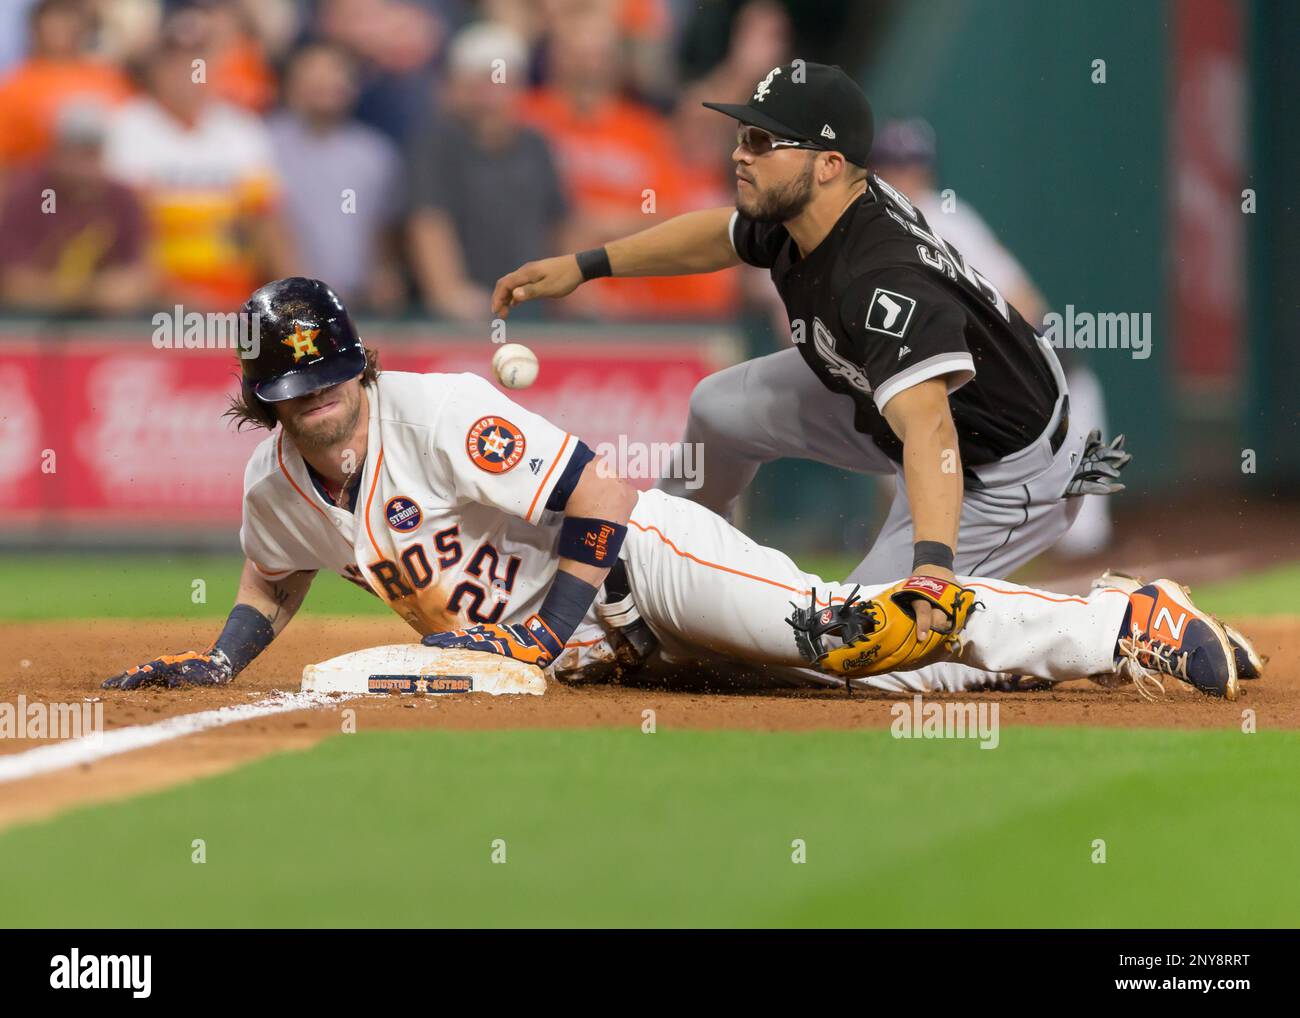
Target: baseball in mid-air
(515, 366)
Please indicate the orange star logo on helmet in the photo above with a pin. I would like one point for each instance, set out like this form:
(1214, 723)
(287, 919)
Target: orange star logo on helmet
(303, 342)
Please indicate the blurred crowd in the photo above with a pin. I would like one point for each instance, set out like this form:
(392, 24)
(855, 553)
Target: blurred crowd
(409, 152)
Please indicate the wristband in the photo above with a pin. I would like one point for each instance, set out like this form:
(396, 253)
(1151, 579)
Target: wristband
(931, 553)
(591, 541)
(247, 633)
(594, 263)
(566, 603)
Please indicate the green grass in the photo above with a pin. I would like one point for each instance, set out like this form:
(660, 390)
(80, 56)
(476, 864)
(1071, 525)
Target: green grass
(1273, 591)
(162, 586)
(148, 586)
(612, 827)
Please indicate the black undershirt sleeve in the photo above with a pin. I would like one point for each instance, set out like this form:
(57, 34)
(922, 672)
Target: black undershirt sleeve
(757, 243)
(578, 461)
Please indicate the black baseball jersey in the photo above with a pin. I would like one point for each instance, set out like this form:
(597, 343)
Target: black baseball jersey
(884, 303)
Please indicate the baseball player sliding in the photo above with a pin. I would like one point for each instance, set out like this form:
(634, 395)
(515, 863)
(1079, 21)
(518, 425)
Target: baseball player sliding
(488, 528)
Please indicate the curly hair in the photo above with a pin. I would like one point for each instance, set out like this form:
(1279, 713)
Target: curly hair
(246, 409)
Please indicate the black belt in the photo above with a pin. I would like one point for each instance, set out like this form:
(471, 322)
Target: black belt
(1062, 429)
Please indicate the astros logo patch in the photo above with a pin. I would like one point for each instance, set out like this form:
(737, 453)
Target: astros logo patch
(494, 444)
(402, 513)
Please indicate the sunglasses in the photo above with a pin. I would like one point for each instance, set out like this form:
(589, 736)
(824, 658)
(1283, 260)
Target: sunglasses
(758, 142)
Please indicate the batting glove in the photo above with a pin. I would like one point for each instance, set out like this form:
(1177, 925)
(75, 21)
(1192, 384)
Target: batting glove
(1099, 467)
(188, 669)
(532, 642)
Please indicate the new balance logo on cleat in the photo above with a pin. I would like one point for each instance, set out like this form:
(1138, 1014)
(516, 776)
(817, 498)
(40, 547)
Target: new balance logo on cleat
(1168, 635)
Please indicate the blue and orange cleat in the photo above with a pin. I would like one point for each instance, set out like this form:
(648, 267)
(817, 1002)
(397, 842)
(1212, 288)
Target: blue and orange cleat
(1168, 635)
(1250, 662)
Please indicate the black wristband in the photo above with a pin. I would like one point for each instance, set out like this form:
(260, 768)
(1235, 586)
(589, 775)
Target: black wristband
(247, 633)
(594, 263)
(566, 603)
(931, 553)
(591, 541)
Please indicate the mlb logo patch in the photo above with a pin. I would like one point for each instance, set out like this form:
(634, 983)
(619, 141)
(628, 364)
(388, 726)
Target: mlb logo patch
(889, 312)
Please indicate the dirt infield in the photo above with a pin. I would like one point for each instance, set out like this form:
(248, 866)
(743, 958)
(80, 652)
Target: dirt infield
(61, 663)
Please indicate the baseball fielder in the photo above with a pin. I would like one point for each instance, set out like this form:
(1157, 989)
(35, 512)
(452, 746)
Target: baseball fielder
(486, 527)
(933, 377)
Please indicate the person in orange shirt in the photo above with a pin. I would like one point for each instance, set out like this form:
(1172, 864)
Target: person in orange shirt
(238, 68)
(616, 157)
(58, 69)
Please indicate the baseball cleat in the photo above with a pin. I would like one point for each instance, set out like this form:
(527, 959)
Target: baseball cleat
(1168, 635)
(1250, 662)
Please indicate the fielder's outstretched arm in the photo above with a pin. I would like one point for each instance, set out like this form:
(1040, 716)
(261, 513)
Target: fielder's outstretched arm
(263, 607)
(694, 242)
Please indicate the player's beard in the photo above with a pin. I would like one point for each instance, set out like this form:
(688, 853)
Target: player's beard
(783, 203)
(326, 433)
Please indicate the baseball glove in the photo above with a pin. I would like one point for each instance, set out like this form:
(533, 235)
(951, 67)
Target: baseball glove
(879, 635)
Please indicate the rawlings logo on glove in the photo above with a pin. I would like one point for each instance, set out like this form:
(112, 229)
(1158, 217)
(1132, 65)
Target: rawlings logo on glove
(533, 642)
(879, 635)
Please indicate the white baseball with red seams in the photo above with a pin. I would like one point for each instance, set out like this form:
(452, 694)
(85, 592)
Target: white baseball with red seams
(451, 529)
(515, 366)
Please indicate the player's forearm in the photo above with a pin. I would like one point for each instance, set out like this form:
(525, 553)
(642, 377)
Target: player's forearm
(262, 609)
(600, 500)
(932, 471)
(595, 523)
(694, 242)
(277, 600)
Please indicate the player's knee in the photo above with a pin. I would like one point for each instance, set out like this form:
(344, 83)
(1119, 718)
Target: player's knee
(717, 404)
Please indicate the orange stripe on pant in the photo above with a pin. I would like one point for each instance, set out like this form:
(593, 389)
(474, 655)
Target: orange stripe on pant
(726, 569)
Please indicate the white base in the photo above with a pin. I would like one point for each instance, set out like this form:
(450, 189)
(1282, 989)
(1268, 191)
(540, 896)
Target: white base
(414, 668)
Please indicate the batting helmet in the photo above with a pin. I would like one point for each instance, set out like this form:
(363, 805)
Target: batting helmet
(307, 341)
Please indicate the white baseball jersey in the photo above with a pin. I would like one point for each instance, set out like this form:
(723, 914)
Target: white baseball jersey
(450, 526)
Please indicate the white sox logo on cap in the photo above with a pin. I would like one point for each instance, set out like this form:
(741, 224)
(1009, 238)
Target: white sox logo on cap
(765, 85)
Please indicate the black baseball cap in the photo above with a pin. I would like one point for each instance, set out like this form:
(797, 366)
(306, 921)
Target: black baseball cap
(814, 103)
